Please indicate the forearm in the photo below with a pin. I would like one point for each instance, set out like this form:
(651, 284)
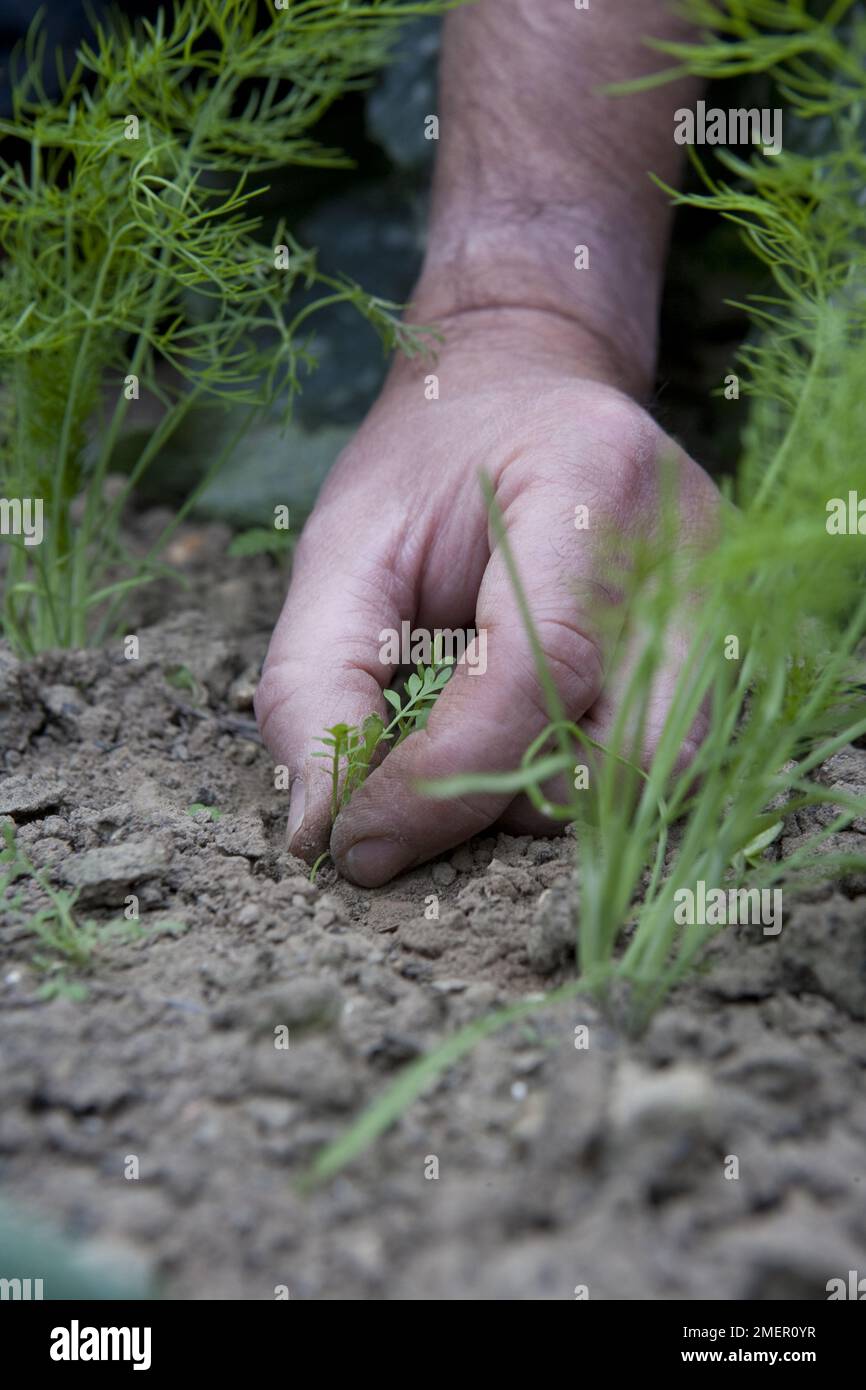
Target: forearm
(534, 161)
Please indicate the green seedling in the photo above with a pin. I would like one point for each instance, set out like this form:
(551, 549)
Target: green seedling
(66, 942)
(213, 811)
(262, 540)
(182, 678)
(350, 749)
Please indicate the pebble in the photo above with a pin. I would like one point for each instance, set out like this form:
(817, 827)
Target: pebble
(422, 937)
(63, 701)
(672, 1095)
(329, 910)
(55, 826)
(21, 795)
(242, 690)
(507, 881)
(302, 1002)
(312, 1071)
(443, 875)
(270, 1112)
(106, 874)
(299, 887)
(552, 938)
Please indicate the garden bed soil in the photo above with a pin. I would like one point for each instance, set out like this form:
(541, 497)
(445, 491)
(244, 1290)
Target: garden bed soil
(608, 1167)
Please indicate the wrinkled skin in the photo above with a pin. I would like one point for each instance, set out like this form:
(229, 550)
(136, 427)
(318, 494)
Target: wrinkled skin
(401, 531)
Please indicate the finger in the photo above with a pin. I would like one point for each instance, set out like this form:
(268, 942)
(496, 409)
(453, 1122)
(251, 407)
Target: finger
(648, 709)
(323, 665)
(638, 746)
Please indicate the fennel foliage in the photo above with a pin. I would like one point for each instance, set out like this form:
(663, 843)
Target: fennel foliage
(133, 266)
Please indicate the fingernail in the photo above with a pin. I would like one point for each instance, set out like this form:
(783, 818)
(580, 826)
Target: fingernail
(296, 809)
(371, 862)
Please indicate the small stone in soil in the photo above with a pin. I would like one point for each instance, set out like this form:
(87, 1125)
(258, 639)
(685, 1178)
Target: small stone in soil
(105, 874)
(443, 875)
(24, 796)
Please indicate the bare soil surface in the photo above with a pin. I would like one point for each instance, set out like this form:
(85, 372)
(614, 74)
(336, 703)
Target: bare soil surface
(607, 1166)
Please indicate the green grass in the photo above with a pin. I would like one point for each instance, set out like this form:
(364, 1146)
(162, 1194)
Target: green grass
(793, 595)
(259, 540)
(134, 268)
(68, 945)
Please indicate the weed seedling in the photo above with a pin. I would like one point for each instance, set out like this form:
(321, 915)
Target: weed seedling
(182, 678)
(65, 942)
(351, 748)
(213, 811)
(261, 540)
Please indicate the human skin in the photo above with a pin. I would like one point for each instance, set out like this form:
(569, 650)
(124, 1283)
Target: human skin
(541, 377)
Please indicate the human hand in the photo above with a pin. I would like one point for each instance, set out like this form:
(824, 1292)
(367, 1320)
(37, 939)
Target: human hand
(401, 531)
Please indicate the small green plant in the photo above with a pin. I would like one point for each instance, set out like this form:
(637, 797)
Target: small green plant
(135, 266)
(66, 943)
(261, 540)
(182, 678)
(350, 749)
(213, 811)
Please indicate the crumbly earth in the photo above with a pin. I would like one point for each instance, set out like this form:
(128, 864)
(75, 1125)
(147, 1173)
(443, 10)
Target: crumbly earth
(609, 1165)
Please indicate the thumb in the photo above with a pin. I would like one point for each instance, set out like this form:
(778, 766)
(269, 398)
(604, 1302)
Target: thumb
(322, 665)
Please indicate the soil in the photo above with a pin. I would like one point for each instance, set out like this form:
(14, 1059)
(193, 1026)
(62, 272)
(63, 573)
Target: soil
(563, 1170)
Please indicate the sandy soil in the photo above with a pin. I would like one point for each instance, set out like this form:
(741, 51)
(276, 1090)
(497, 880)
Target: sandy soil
(558, 1166)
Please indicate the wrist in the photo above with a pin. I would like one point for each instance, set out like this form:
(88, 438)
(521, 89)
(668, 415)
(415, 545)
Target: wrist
(575, 337)
(599, 308)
